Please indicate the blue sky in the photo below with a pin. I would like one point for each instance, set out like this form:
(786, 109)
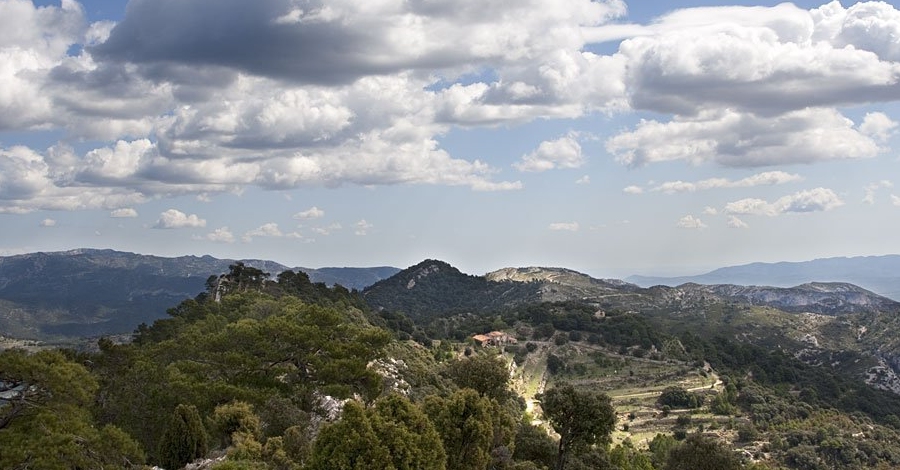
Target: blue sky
(613, 138)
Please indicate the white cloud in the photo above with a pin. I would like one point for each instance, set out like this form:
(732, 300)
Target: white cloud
(814, 200)
(586, 179)
(764, 60)
(735, 222)
(564, 226)
(48, 223)
(220, 235)
(751, 206)
(328, 229)
(691, 222)
(871, 188)
(895, 200)
(124, 213)
(736, 139)
(496, 186)
(270, 230)
(633, 190)
(362, 227)
(174, 218)
(710, 211)
(878, 126)
(311, 213)
(339, 41)
(343, 93)
(766, 178)
(564, 152)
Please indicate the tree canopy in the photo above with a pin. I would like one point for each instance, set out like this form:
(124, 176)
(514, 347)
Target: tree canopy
(581, 418)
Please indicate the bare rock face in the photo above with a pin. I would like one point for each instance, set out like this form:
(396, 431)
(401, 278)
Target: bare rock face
(827, 298)
(560, 284)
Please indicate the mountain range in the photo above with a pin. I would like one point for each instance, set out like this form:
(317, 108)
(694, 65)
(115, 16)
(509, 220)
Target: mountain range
(87, 292)
(879, 274)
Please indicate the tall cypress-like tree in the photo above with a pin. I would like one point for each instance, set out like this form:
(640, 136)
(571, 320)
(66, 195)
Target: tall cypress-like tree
(184, 440)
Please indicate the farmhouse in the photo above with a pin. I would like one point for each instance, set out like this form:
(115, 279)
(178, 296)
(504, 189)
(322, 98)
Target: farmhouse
(494, 338)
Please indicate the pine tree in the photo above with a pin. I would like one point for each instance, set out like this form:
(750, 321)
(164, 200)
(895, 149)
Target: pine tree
(184, 440)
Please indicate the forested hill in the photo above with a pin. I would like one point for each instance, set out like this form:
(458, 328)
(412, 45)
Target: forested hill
(434, 288)
(88, 292)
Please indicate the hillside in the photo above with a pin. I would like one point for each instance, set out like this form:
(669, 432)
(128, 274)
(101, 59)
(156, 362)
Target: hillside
(814, 320)
(879, 274)
(89, 292)
(738, 377)
(434, 288)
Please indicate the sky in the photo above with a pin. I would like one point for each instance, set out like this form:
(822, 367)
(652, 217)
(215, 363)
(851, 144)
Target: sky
(609, 137)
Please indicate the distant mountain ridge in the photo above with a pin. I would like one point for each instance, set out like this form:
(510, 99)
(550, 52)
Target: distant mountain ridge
(88, 292)
(879, 274)
(434, 288)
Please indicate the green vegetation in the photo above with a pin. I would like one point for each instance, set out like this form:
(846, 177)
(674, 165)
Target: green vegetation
(184, 439)
(581, 418)
(287, 374)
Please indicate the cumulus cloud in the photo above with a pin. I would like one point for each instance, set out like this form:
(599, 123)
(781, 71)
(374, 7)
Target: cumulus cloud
(124, 213)
(710, 211)
(269, 230)
(735, 222)
(633, 190)
(564, 152)
(690, 222)
(878, 126)
(731, 138)
(766, 178)
(48, 223)
(33, 181)
(174, 218)
(220, 235)
(764, 60)
(814, 200)
(338, 93)
(311, 213)
(564, 226)
(586, 179)
(362, 227)
(338, 42)
(895, 200)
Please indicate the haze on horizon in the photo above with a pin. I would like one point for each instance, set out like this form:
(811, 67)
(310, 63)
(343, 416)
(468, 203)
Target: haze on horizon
(609, 137)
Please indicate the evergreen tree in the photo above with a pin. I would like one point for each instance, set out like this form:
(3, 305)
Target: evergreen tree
(701, 453)
(350, 444)
(407, 434)
(466, 426)
(184, 440)
(45, 419)
(485, 374)
(581, 418)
